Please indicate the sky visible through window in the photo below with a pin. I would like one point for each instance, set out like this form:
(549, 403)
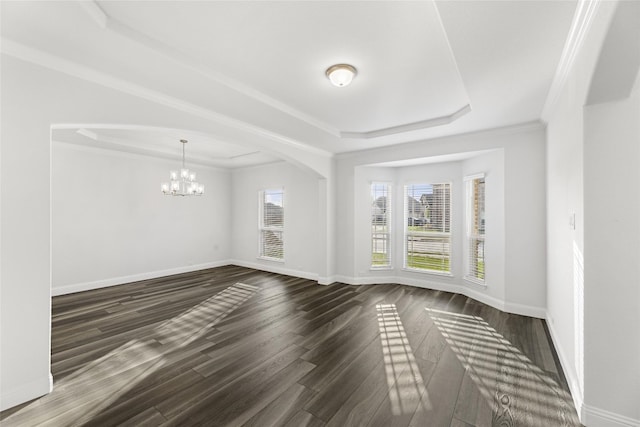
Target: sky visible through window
(274, 197)
(416, 190)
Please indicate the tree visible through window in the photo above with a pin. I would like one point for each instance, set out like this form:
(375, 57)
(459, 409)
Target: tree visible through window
(475, 228)
(380, 224)
(271, 244)
(428, 227)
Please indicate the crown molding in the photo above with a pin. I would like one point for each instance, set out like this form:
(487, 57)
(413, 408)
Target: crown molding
(481, 133)
(424, 124)
(582, 20)
(38, 57)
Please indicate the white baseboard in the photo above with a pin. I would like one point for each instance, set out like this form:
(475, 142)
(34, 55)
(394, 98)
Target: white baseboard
(569, 371)
(343, 279)
(278, 268)
(25, 392)
(275, 267)
(521, 309)
(524, 310)
(86, 286)
(596, 417)
(326, 280)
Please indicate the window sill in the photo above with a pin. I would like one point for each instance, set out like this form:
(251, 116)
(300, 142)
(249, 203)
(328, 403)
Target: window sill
(266, 258)
(474, 282)
(430, 272)
(385, 268)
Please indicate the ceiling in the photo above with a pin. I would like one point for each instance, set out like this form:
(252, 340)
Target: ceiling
(425, 69)
(201, 149)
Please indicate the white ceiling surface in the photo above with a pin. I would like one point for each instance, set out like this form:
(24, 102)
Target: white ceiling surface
(262, 63)
(200, 149)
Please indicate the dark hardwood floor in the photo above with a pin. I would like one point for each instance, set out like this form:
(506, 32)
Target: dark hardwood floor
(235, 346)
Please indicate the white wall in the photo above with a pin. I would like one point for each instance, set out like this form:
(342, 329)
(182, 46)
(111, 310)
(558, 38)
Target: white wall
(592, 172)
(34, 99)
(515, 174)
(25, 268)
(111, 224)
(525, 225)
(612, 252)
(301, 213)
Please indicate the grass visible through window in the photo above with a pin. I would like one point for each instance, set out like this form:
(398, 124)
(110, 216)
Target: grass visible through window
(426, 262)
(379, 259)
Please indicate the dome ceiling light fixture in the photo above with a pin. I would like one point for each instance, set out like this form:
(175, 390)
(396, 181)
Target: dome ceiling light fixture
(341, 75)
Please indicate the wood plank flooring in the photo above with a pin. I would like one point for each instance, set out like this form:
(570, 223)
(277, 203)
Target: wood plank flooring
(234, 346)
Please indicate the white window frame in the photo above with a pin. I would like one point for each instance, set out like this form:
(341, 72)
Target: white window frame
(387, 233)
(263, 229)
(474, 232)
(411, 233)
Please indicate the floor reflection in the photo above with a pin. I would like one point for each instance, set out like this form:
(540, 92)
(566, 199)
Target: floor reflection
(406, 386)
(85, 393)
(517, 390)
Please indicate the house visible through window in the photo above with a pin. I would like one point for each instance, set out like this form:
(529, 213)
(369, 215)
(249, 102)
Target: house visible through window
(475, 229)
(380, 225)
(271, 244)
(428, 227)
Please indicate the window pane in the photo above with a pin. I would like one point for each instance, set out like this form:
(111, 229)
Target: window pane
(380, 224)
(428, 227)
(476, 258)
(273, 211)
(379, 249)
(475, 206)
(428, 252)
(271, 243)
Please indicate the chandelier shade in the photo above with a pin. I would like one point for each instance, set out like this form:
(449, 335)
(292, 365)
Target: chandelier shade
(182, 182)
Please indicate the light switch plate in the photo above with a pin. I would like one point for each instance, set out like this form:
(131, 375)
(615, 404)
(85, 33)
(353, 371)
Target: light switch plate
(572, 220)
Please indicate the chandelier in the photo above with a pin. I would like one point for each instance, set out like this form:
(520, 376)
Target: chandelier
(183, 183)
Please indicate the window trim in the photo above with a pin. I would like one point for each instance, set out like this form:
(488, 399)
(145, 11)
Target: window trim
(262, 227)
(406, 232)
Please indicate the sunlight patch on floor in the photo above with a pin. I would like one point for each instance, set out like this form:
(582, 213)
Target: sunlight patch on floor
(407, 392)
(517, 390)
(85, 393)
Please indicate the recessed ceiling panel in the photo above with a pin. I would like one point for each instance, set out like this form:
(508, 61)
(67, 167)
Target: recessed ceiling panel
(256, 68)
(165, 143)
(406, 70)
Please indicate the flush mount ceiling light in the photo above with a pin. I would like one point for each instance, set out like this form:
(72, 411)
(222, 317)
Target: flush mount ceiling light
(341, 74)
(183, 183)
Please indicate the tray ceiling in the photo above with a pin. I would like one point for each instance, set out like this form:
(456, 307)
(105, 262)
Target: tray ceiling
(425, 69)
